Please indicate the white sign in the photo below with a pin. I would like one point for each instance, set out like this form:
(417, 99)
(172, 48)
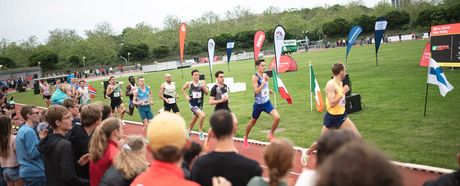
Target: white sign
(230, 44)
(381, 25)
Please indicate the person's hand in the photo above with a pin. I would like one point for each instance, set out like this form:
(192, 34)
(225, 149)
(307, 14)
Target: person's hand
(43, 134)
(220, 181)
(346, 88)
(224, 98)
(83, 159)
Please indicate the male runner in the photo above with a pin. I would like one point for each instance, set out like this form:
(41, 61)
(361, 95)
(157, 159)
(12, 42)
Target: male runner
(261, 102)
(115, 94)
(143, 99)
(168, 94)
(196, 89)
(130, 89)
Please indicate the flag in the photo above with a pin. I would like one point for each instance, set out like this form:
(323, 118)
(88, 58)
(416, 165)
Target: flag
(316, 91)
(352, 36)
(426, 55)
(230, 45)
(182, 34)
(92, 91)
(259, 38)
(380, 26)
(211, 46)
(278, 36)
(436, 77)
(282, 89)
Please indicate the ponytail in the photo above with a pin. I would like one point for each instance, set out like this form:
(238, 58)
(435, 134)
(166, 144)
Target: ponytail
(279, 156)
(274, 176)
(5, 133)
(101, 136)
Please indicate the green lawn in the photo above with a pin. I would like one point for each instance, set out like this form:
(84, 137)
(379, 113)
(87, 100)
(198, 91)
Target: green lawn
(392, 96)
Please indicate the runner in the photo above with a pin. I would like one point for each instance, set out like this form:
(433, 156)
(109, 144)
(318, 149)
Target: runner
(115, 94)
(130, 89)
(195, 98)
(219, 98)
(168, 94)
(261, 102)
(83, 93)
(143, 99)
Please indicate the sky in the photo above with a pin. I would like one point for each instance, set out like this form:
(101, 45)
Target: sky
(20, 19)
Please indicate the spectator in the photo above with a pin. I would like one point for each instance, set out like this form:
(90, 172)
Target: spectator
(190, 155)
(79, 136)
(8, 159)
(103, 147)
(57, 151)
(31, 168)
(452, 179)
(130, 162)
(106, 112)
(224, 160)
(166, 136)
(61, 94)
(356, 163)
(72, 105)
(326, 145)
(278, 156)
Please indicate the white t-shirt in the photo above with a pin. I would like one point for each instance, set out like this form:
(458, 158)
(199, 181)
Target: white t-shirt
(306, 178)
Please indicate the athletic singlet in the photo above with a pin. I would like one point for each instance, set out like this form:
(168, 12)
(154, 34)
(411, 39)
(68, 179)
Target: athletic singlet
(262, 97)
(85, 98)
(133, 89)
(46, 90)
(170, 89)
(116, 93)
(339, 108)
(196, 94)
(143, 96)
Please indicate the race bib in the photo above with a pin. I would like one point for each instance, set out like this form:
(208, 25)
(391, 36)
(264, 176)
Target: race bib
(145, 102)
(196, 95)
(172, 100)
(264, 92)
(46, 92)
(116, 94)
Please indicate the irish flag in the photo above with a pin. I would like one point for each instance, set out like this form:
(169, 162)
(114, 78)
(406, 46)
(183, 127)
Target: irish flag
(281, 88)
(314, 89)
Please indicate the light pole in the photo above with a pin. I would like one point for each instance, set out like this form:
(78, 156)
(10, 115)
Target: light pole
(84, 65)
(128, 59)
(39, 63)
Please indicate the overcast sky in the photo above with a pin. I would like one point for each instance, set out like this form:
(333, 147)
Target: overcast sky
(20, 19)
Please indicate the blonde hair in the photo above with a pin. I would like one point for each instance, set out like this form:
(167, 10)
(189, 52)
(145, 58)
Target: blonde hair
(101, 136)
(278, 156)
(131, 161)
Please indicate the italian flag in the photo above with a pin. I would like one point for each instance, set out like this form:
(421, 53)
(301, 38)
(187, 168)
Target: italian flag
(281, 88)
(314, 89)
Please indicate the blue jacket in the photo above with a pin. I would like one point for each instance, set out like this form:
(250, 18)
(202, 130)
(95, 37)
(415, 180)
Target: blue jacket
(29, 158)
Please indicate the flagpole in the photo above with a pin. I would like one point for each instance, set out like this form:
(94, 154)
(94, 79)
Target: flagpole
(182, 69)
(426, 98)
(228, 66)
(311, 95)
(376, 60)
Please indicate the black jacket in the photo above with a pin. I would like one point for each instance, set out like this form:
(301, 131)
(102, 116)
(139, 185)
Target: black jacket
(59, 162)
(113, 177)
(452, 179)
(79, 140)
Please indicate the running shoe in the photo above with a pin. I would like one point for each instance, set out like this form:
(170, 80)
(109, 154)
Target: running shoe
(201, 136)
(245, 143)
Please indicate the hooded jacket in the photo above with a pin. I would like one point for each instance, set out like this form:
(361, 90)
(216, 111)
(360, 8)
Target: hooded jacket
(59, 162)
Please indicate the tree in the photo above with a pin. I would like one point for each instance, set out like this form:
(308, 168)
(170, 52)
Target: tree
(100, 47)
(366, 22)
(75, 61)
(63, 42)
(171, 22)
(47, 59)
(221, 41)
(193, 48)
(337, 27)
(430, 17)
(160, 51)
(397, 19)
(7, 62)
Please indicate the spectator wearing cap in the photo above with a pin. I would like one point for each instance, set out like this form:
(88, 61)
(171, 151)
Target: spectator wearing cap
(166, 136)
(224, 161)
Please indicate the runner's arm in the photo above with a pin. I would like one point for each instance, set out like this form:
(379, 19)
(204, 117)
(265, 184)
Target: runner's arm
(135, 99)
(257, 89)
(160, 93)
(205, 88)
(150, 96)
(184, 88)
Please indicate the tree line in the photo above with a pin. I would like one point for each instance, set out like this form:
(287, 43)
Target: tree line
(144, 43)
